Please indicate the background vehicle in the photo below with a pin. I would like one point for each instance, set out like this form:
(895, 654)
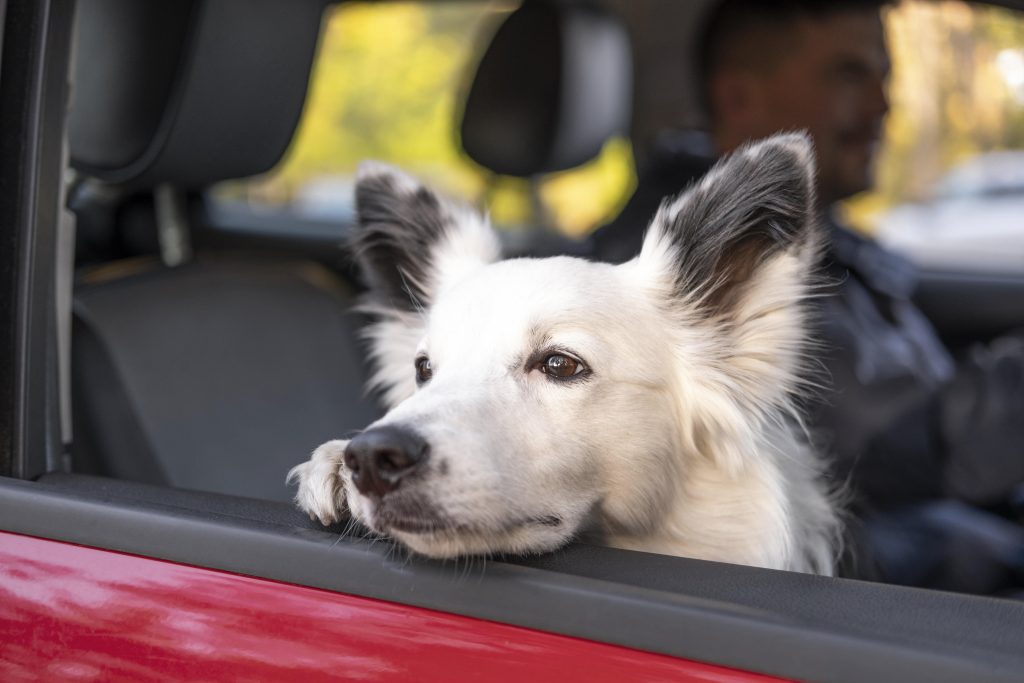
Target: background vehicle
(203, 349)
(972, 217)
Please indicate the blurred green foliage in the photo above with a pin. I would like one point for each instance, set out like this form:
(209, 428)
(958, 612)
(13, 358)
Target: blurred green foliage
(388, 85)
(390, 77)
(957, 90)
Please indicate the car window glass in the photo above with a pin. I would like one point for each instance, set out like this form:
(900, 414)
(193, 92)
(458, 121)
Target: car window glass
(950, 174)
(387, 85)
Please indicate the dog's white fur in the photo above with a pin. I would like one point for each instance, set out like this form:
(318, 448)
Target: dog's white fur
(680, 438)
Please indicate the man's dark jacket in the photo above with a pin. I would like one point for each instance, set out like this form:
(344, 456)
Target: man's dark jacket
(901, 422)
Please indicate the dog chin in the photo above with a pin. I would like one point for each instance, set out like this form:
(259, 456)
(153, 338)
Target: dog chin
(417, 525)
(448, 543)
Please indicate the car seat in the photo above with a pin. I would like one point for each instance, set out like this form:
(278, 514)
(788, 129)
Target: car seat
(214, 370)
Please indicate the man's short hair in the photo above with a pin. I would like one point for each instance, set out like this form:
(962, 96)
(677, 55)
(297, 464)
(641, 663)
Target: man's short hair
(739, 31)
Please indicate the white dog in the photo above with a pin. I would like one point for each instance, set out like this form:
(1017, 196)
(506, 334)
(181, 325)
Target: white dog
(532, 401)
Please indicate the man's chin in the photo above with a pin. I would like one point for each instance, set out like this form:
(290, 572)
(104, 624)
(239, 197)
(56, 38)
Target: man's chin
(859, 171)
(845, 187)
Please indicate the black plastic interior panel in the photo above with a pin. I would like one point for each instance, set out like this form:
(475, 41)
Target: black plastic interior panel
(780, 623)
(966, 307)
(35, 40)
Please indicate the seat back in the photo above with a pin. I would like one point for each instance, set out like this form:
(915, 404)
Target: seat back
(215, 376)
(222, 373)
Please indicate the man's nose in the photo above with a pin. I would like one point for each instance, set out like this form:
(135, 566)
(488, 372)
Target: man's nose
(879, 95)
(882, 98)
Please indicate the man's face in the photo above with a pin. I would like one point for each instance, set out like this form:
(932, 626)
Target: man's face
(831, 82)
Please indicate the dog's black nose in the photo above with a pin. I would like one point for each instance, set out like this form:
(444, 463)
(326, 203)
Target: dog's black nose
(380, 458)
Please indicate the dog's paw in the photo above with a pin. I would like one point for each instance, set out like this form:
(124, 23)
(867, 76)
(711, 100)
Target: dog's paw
(321, 487)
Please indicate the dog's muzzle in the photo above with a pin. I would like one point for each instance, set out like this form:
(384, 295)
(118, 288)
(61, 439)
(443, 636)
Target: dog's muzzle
(380, 458)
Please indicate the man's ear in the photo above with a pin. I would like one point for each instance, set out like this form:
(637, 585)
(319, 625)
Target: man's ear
(410, 242)
(737, 98)
(714, 240)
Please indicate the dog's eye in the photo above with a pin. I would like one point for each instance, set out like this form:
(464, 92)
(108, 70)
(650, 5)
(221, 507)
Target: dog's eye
(423, 370)
(561, 366)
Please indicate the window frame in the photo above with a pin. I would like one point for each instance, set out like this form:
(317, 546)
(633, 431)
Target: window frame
(33, 102)
(779, 623)
(786, 624)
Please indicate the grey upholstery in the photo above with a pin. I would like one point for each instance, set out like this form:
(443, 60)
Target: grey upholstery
(188, 92)
(552, 87)
(215, 376)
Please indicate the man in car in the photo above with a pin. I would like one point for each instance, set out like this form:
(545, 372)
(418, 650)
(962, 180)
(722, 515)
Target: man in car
(923, 443)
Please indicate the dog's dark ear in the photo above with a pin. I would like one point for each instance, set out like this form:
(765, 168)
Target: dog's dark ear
(753, 205)
(409, 241)
(733, 256)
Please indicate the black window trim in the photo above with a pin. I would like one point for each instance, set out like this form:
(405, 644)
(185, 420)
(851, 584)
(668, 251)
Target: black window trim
(33, 104)
(779, 623)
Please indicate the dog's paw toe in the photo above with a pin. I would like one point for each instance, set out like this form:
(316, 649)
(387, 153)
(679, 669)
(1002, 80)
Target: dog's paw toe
(321, 492)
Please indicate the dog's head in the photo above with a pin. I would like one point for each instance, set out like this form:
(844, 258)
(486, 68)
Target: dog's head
(532, 399)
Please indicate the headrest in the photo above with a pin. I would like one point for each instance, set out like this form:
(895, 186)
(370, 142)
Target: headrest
(188, 92)
(552, 87)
